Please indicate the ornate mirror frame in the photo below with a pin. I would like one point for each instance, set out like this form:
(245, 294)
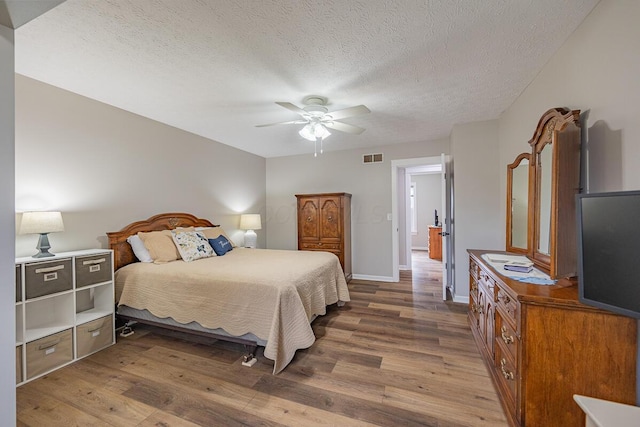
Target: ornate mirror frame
(518, 204)
(558, 130)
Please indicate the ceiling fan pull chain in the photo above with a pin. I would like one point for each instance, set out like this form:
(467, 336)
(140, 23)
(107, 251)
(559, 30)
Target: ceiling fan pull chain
(315, 148)
(321, 149)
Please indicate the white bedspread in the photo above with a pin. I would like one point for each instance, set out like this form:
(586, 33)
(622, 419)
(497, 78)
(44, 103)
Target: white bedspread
(271, 293)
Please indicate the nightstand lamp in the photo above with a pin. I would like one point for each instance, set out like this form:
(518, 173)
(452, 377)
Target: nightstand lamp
(41, 223)
(250, 222)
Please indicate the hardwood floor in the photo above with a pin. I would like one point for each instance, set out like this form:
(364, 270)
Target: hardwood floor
(396, 355)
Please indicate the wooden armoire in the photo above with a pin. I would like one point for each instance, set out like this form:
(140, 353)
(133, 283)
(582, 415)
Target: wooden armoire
(324, 224)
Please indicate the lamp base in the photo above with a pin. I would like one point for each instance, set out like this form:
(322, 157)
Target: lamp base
(43, 247)
(250, 239)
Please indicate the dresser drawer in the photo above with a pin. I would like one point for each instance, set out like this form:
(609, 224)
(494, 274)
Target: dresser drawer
(507, 335)
(93, 269)
(487, 281)
(18, 364)
(95, 335)
(474, 269)
(44, 278)
(507, 306)
(474, 308)
(18, 283)
(49, 352)
(508, 377)
(320, 246)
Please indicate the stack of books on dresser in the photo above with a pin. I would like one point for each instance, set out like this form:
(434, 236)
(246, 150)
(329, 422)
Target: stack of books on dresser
(519, 266)
(517, 263)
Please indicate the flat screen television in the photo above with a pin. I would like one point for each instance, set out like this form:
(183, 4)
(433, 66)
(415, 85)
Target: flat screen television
(609, 251)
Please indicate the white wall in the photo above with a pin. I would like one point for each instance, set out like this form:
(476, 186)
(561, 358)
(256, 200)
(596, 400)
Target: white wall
(340, 171)
(7, 272)
(429, 198)
(597, 71)
(477, 170)
(104, 168)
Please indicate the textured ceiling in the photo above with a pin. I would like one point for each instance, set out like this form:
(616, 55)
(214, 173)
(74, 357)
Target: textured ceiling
(216, 67)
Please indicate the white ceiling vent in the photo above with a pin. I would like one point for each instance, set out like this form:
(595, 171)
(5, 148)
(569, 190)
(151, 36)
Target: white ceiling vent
(372, 158)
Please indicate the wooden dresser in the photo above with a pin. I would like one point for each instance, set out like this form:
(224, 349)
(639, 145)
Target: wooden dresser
(542, 346)
(435, 242)
(324, 224)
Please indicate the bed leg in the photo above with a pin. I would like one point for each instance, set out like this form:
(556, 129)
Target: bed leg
(127, 330)
(249, 359)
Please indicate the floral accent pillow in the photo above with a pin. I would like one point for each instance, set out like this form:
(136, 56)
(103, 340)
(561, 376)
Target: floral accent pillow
(192, 245)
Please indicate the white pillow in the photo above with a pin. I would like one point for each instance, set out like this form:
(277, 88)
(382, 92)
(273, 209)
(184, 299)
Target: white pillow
(139, 250)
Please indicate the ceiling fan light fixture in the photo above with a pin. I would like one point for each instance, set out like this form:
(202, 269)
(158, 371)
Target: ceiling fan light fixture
(312, 131)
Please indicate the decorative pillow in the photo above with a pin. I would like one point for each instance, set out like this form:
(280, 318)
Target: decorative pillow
(160, 246)
(138, 248)
(213, 232)
(192, 245)
(220, 245)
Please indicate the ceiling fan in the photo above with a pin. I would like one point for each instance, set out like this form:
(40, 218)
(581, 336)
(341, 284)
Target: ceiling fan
(317, 118)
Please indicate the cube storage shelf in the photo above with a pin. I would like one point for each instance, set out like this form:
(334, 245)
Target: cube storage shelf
(64, 310)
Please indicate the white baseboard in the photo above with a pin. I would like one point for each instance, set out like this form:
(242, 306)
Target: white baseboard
(419, 248)
(404, 267)
(373, 278)
(461, 299)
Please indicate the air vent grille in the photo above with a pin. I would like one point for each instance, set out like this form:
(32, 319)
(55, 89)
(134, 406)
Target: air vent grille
(372, 158)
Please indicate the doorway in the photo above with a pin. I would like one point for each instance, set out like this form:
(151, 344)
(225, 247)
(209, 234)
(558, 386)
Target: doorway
(408, 234)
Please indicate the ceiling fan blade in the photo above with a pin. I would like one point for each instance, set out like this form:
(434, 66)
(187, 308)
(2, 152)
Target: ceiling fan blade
(349, 112)
(344, 127)
(293, 122)
(291, 107)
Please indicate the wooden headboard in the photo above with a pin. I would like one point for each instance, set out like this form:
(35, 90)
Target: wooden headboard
(122, 252)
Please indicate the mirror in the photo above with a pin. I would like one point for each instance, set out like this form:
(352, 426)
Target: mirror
(518, 174)
(555, 180)
(543, 174)
(541, 190)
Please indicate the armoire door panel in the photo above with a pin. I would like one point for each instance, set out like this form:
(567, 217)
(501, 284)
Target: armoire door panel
(308, 223)
(330, 219)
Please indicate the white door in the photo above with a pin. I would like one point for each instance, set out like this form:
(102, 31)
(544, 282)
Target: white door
(446, 225)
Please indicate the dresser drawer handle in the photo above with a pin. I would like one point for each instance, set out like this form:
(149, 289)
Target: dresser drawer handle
(320, 244)
(508, 339)
(508, 375)
(308, 219)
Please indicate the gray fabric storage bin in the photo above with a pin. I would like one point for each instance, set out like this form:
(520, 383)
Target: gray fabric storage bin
(18, 284)
(45, 278)
(93, 269)
(18, 364)
(49, 352)
(95, 335)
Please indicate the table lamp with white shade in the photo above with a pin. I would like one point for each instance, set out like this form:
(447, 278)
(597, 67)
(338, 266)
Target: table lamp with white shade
(41, 223)
(250, 222)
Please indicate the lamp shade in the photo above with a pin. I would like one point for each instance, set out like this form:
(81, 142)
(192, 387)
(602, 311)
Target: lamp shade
(250, 222)
(41, 222)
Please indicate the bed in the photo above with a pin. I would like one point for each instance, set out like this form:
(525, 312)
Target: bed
(256, 297)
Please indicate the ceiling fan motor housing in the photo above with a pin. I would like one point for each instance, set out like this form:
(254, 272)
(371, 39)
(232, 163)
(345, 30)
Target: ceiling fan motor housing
(315, 105)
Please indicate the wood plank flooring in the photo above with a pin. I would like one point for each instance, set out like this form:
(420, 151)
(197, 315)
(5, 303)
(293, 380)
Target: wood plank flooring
(396, 355)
